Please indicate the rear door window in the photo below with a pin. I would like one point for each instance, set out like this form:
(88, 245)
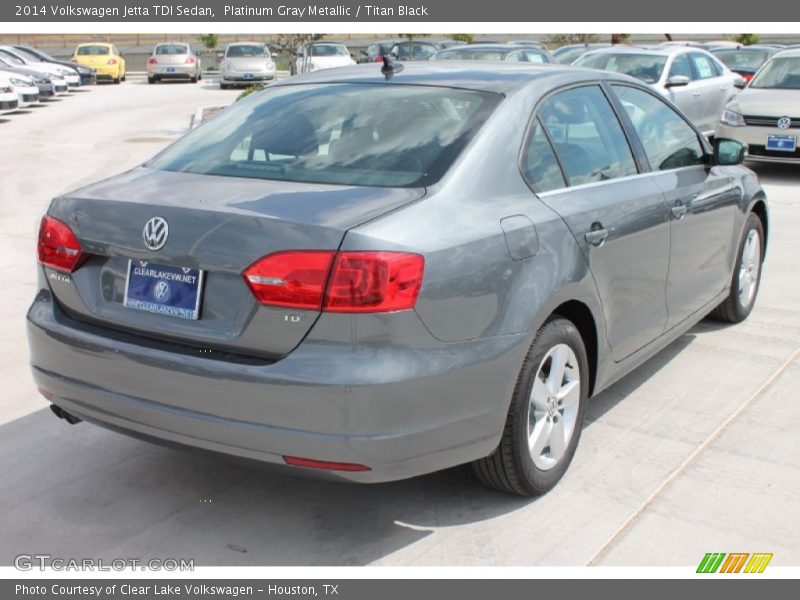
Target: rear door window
(704, 67)
(587, 136)
(668, 140)
(680, 66)
(539, 164)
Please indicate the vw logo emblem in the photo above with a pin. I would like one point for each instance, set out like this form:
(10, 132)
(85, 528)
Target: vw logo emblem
(784, 123)
(155, 233)
(161, 291)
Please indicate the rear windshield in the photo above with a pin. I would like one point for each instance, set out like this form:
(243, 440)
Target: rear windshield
(351, 134)
(779, 74)
(468, 54)
(647, 67)
(92, 50)
(328, 50)
(167, 49)
(246, 51)
(742, 60)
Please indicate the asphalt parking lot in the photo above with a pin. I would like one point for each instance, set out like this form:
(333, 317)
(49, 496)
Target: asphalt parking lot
(694, 452)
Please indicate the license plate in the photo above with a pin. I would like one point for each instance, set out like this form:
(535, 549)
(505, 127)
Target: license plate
(782, 143)
(163, 289)
(248, 76)
(170, 69)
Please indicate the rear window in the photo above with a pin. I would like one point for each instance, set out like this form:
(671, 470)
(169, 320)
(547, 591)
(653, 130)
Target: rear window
(246, 51)
(646, 67)
(328, 50)
(169, 49)
(92, 50)
(351, 134)
(468, 54)
(746, 60)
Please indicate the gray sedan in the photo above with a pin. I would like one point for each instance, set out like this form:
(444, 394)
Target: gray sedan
(375, 273)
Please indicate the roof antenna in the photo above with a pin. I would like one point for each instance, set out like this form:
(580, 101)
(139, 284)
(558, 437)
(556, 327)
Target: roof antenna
(390, 65)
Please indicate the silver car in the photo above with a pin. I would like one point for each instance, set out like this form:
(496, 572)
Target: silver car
(246, 63)
(173, 60)
(377, 279)
(693, 79)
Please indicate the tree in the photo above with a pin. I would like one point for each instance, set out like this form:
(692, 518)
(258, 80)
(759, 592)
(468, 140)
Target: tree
(565, 39)
(748, 39)
(620, 38)
(289, 43)
(209, 41)
(462, 37)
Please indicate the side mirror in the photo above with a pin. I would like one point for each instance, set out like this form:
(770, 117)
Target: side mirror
(729, 152)
(362, 53)
(678, 81)
(739, 82)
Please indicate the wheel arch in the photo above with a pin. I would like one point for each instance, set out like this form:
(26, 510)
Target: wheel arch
(581, 316)
(759, 207)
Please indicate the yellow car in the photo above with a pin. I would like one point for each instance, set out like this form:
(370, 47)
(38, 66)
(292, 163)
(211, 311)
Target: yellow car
(104, 59)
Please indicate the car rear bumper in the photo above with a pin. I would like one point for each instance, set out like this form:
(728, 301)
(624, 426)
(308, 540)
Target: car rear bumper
(237, 78)
(756, 139)
(172, 71)
(401, 412)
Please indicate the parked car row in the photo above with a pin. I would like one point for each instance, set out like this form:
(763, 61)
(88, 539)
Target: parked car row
(29, 76)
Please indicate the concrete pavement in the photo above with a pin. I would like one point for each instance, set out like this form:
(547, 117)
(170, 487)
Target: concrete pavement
(83, 491)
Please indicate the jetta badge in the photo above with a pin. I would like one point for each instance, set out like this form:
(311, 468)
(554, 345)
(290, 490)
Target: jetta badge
(784, 123)
(155, 233)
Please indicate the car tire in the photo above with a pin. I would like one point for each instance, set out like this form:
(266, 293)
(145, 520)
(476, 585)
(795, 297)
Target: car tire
(199, 77)
(746, 277)
(151, 80)
(117, 81)
(124, 77)
(194, 80)
(223, 86)
(560, 397)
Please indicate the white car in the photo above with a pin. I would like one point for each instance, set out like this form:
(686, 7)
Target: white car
(246, 63)
(766, 115)
(8, 97)
(320, 55)
(68, 74)
(694, 80)
(24, 87)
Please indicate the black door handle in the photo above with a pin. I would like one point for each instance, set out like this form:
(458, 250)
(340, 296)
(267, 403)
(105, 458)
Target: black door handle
(597, 235)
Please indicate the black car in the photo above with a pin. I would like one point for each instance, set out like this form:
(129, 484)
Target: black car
(88, 76)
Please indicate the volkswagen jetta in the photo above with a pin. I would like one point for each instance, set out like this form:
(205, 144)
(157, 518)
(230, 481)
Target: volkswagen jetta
(381, 272)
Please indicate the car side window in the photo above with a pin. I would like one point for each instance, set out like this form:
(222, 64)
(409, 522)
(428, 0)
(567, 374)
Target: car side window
(515, 57)
(681, 66)
(539, 162)
(669, 141)
(703, 66)
(587, 136)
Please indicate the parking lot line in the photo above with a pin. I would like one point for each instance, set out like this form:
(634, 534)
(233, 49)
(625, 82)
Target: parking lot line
(634, 518)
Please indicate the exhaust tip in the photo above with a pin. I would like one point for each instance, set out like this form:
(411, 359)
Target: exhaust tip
(62, 414)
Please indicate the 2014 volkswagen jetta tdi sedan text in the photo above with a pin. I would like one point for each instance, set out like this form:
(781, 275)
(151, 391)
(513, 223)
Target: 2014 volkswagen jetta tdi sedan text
(383, 274)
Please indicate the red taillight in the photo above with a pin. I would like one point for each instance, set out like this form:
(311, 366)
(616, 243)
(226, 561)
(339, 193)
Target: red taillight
(293, 279)
(323, 464)
(111, 61)
(58, 247)
(374, 282)
(379, 59)
(747, 77)
(189, 61)
(350, 282)
(152, 60)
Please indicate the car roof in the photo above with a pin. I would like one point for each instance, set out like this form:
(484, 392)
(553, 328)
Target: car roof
(496, 77)
(107, 44)
(247, 44)
(791, 53)
(652, 50)
(505, 47)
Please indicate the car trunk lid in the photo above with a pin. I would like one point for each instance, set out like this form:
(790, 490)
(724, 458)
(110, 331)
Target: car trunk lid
(220, 225)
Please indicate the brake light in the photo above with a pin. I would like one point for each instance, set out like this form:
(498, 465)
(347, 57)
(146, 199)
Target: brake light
(310, 463)
(190, 60)
(58, 247)
(292, 279)
(152, 60)
(348, 282)
(747, 77)
(111, 61)
(374, 282)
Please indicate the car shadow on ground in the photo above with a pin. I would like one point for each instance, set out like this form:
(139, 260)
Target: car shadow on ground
(85, 491)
